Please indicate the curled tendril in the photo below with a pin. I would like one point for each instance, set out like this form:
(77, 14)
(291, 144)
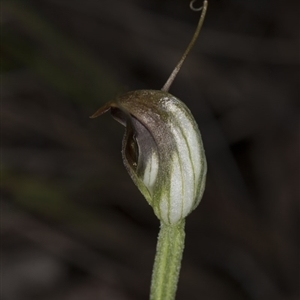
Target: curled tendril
(189, 47)
(195, 8)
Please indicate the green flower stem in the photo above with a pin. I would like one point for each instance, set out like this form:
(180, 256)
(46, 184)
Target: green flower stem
(167, 262)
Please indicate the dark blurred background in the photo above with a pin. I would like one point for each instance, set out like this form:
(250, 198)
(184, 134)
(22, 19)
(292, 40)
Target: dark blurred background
(73, 224)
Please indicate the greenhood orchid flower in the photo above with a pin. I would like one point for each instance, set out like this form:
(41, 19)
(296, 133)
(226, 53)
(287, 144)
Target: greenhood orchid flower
(162, 151)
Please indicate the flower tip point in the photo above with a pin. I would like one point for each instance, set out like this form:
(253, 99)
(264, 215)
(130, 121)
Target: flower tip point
(101, 111)
(95, 115)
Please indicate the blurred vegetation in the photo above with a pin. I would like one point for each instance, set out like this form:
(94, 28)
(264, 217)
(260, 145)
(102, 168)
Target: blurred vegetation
(73, 224)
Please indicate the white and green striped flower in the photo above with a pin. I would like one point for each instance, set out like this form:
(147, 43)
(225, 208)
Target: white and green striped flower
(162, 151)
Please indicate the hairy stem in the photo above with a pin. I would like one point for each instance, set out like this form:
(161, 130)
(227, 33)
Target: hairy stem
(167, 262)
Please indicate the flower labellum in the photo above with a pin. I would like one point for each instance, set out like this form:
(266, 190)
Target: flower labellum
(162, 147)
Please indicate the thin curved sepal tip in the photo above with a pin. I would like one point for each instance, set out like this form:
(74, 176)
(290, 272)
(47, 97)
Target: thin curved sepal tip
(174, 73)
(192, 7)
